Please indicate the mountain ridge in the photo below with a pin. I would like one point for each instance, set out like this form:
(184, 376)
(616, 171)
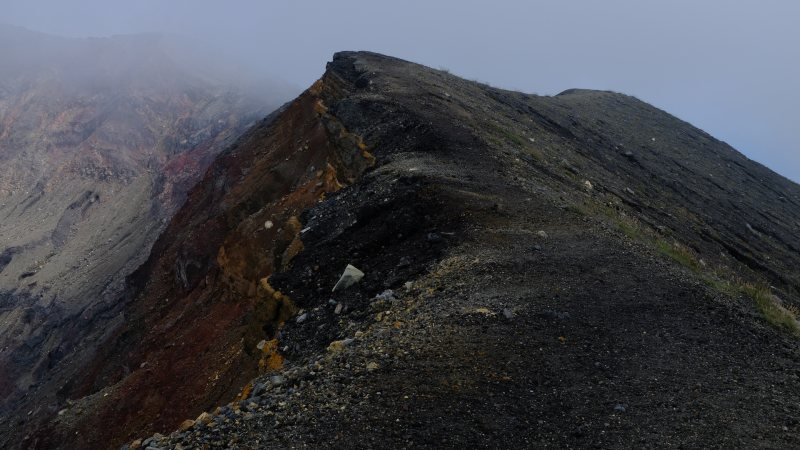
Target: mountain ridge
(577, 270)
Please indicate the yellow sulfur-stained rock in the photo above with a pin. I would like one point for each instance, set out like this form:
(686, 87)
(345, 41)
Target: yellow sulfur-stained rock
(337, 346)
(246, 390)
(484, 311)
(271, 359)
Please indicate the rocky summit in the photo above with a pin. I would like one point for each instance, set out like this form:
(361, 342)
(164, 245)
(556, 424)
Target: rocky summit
(403, 258)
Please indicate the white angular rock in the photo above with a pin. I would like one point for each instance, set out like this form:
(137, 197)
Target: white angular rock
(350, 277)
(385, 295)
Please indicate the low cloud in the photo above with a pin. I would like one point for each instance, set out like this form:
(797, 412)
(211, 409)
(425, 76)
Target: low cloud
(732, 69)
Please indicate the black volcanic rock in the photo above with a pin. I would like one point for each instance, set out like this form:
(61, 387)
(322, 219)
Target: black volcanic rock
(602, 275)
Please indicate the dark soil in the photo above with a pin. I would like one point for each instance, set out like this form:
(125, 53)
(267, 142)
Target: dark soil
(605, 345)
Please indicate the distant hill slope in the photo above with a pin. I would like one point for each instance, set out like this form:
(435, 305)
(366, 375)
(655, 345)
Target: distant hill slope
(571, 271)
(99, 141)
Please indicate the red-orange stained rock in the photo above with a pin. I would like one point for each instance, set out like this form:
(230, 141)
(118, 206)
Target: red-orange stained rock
(195, 338)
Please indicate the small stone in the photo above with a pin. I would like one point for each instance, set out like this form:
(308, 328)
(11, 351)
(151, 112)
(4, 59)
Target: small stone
(542, 234)
(508, 314)
(136, 444)
(373, 366)
(404, 262)
(620, 408)
(588, 185)
(268, 224)
(258, 389)
(555, 315)
(204, 418)
(338, 309)
(277, 380)
(186, 424)
(434, 237)
(349, 277)
(261, 344)
(302, 318)
(385, 295)
(408, 285)
(337, 346)
(332, 302)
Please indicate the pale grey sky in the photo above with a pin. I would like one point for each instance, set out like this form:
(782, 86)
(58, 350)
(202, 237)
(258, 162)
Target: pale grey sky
(729, 67)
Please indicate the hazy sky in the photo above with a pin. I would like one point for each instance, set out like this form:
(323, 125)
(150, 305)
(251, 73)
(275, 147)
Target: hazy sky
(729, 67)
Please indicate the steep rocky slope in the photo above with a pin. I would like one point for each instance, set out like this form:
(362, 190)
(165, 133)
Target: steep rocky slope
(100, 140)
(569, 271)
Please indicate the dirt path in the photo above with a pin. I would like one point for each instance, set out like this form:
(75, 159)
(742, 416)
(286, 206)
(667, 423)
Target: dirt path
(580, 339)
